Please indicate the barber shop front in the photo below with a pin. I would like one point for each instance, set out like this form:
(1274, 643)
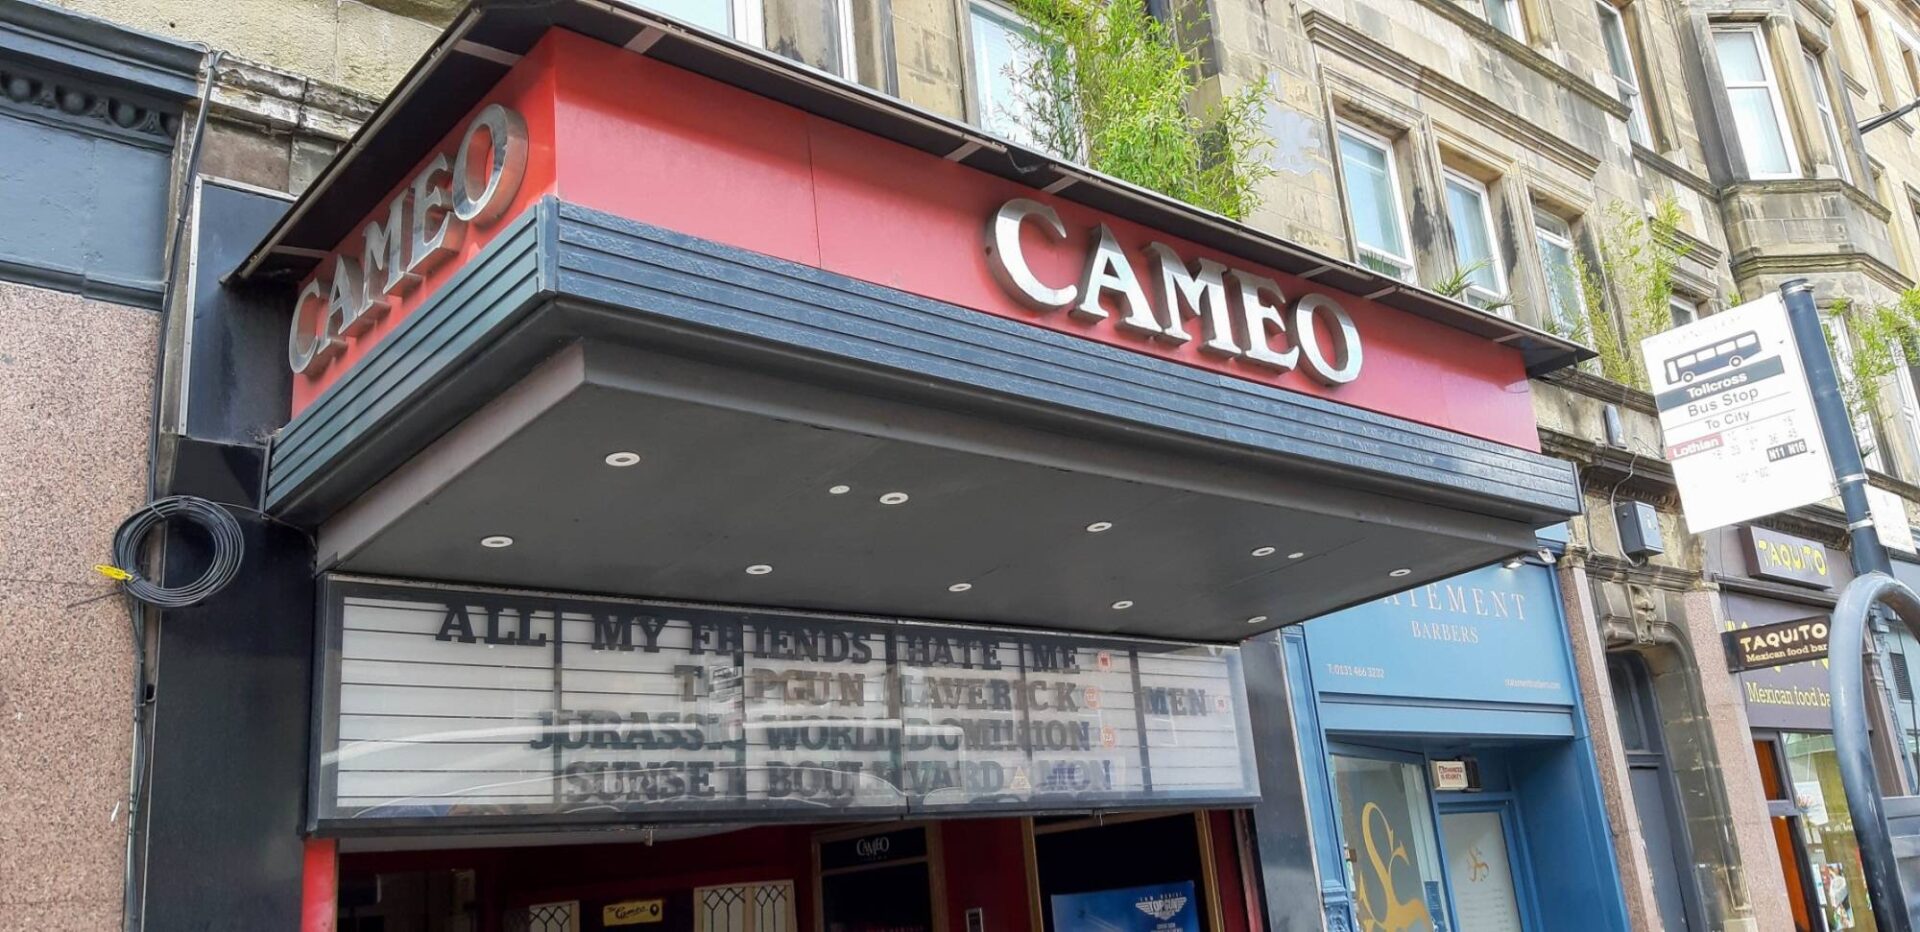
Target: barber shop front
(704, 495)
(1453, 785)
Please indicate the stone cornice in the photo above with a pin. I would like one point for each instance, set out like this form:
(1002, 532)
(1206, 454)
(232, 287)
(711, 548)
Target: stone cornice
(1809, 186)
(1673, 170)
(96, 50)
(250, 92)
(1759, 263)
(1601, 389)
(1334, 35)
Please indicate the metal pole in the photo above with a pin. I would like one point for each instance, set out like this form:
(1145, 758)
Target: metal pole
(1836, 427)
(1853, 748)
(1853, 751)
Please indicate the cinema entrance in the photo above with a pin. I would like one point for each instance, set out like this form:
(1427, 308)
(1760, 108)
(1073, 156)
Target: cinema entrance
(1049, 873)
(701, 484)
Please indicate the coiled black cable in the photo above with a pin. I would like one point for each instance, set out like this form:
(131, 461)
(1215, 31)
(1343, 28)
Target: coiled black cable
(228, 547)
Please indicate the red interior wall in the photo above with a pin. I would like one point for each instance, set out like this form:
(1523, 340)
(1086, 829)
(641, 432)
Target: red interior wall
(1234, 915)
(986, 866)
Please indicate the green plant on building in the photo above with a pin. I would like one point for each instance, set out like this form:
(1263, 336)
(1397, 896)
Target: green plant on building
(1638, 254)
(1881, 344)
(1107, 84)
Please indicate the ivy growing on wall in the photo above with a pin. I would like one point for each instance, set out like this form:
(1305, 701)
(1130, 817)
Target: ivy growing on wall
(1638, 255)
(1106, 84)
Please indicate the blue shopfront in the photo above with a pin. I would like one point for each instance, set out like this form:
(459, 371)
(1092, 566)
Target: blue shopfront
(1456, 790)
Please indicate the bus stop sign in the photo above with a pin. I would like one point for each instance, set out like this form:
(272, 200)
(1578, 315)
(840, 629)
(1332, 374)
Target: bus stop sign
(1736, 417)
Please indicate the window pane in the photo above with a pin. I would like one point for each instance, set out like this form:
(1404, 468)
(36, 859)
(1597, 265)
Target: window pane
(1002, 49)
(1472, 241)
(716, 15)
(807, 31)
(1823, 104)
(1684, 312)
(1505, 16)
(1563, 280)
(1370, 196)
(1759, 127)
(1739, 52)
(1614, 33)
(1387, 824)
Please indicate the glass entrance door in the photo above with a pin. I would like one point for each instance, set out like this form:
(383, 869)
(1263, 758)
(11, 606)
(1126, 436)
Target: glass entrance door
(1392, 859)
(1480, 868)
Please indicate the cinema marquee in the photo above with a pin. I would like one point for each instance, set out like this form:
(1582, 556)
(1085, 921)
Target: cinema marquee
(671, 440)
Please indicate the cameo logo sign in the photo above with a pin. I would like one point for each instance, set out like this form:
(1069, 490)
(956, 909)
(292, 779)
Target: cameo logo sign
(423, 227)
(869, 848)
(633, 912)
(1240, 315)
(1776, 645)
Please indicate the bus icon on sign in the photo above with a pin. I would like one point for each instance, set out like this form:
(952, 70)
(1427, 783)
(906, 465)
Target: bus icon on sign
(1727, 354)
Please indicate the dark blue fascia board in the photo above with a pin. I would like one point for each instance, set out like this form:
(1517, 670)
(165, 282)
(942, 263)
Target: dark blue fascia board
(94, 48)
(652, 283)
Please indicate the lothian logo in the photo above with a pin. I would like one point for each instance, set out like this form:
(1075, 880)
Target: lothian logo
(1163, 907)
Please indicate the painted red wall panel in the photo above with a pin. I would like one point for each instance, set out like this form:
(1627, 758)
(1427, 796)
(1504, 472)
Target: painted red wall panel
(527, 89)
(986, 867)
(645, 140)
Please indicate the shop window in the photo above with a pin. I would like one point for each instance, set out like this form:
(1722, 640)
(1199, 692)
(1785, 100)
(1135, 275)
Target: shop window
(1870, 49)
(1003, 49)
(1374, 207)
(1470, 215)
(1626, 79)
(1386, 820)
(1759, 119)
(1566, 293)
(1823, 107)
(1832, 855)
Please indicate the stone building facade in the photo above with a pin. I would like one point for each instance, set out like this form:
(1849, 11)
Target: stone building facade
(1486, 139)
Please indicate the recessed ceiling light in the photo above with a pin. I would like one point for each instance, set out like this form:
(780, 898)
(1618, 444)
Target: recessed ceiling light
(1403, 571)
(1098, 526)
(840, 490)
(893, 498)
(623, 458)
(1123, 605)
(1257, 620)
(1297, 554)
(496, 541)
(1263, 551)
(759, 569)
(960, 587)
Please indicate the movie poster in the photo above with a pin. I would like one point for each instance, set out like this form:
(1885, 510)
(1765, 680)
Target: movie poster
(1167, 907)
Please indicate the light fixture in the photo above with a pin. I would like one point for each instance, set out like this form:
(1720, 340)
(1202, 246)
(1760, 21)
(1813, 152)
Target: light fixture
(1403, 571)
(839, 490)
(1263, 551)
(496, 541)
(1546, 556)
(1123, 605)
(1257, 620)
(759, 569)
(623, 459)
(893, 498)
(1098, 526)
(1297, 554)
(1514, 563)
(960, 587)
